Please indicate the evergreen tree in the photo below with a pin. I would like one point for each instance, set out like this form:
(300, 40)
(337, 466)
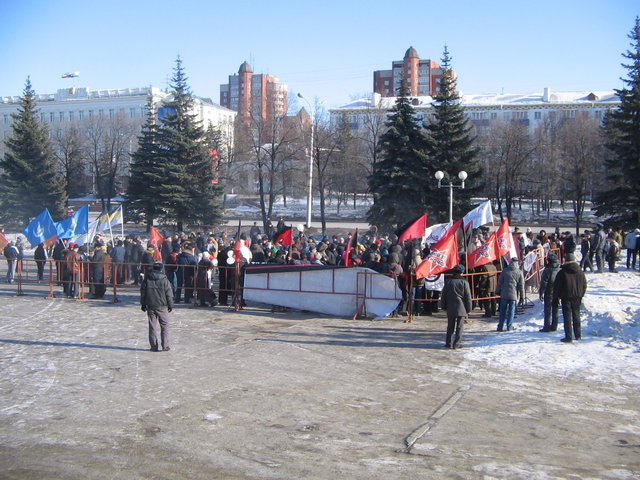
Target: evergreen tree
(450, 149)
(187, 193)
(396, 182)
(30, 181)
(147, 172)
(621, 203)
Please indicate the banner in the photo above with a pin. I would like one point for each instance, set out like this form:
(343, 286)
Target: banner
(4, 241)
(435, 232)
(414, 229)
(505, 241)
(41, 229)
(76, 224)
(485, 253)
(285, 236)
(481, 215)
(443, 255)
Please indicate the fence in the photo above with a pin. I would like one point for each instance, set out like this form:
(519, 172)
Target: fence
(219, 285)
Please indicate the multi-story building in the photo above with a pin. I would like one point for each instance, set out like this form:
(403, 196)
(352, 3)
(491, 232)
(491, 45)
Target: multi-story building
(256, 96)
(483, 110)
(87, 109)
(422, 77)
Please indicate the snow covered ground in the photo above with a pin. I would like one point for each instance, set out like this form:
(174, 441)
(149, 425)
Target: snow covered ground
(610, 345)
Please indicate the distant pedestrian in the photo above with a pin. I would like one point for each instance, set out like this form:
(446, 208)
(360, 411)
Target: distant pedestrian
(156, 298)
(456, 300)
(511, 291)
(569, 287)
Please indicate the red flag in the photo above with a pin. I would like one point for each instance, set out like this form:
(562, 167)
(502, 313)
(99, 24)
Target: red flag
(443, 256)
(415, 229)
(4, 241)
(156, 238)
(285, 235)
(485, 253)
(353, 241)
(505, 240)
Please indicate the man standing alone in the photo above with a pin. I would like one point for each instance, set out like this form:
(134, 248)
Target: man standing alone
(456, 300)
(569, 287)
(156, 298)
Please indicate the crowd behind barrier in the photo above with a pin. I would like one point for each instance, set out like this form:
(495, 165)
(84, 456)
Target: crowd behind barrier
(207, 270)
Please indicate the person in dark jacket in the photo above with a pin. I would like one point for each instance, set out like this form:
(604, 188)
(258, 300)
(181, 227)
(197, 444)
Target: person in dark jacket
(486, 288)
(156, 298)
(456, 300)
(547, 280)
(569, 287)
(511, 290)
(11, 254)
(40, 256)
(185, 273)
(98, 272)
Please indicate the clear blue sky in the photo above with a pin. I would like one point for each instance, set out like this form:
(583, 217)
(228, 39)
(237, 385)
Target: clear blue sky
(327, 50)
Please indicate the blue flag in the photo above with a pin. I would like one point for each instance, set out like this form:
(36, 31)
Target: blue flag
(41, 229)
(76, 224)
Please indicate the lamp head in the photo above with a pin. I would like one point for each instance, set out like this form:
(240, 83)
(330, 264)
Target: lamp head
(439, 175)
(462, 175)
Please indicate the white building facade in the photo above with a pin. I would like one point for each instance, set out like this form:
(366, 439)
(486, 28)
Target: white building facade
(84, 108)
(483, 110)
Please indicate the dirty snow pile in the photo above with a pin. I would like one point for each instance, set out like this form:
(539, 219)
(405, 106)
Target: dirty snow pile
(610, 345)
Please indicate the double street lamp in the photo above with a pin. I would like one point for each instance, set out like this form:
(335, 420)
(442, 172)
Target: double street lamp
(439, 176)
(310, 192)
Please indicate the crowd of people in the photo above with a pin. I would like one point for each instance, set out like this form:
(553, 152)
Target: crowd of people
(201, 268)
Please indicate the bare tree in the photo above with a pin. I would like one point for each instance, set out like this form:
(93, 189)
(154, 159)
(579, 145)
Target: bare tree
(508, 150)
(69, 149)
(109, 145)
(581, 153)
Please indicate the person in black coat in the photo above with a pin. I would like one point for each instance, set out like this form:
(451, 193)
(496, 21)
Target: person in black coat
(545, 291)
(40, 256)
(456, 300)
(156, 298)
(186, 273)
(569, 287)
(98, 277)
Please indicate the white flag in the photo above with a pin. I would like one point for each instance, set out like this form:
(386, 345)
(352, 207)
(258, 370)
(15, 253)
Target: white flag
(481, 215)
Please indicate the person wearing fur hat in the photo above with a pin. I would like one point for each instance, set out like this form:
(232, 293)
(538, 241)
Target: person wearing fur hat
(569, 287)
(547, 279)
(456, 300)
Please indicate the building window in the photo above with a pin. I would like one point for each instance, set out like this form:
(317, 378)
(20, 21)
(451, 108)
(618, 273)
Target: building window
(6, 119)
(43, 117)
(132, 113)
(61, 115)
(81, 115)
(537, 115)
(90, 114)
(520, 115)
(52, 117)
(71, 116)
(101, 113)
(494, 115)
(111, 113)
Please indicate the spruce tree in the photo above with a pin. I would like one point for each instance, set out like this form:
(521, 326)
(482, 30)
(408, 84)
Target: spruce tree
(621, 202)
(30, 181)
(188, 194)
(147, 174)
(450, 149)
(397, 178)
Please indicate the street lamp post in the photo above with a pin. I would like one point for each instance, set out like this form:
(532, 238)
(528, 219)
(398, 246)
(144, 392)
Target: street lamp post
(439, 176)
(310, 192)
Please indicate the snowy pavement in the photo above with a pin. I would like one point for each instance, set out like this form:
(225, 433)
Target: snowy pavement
(261, 395)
